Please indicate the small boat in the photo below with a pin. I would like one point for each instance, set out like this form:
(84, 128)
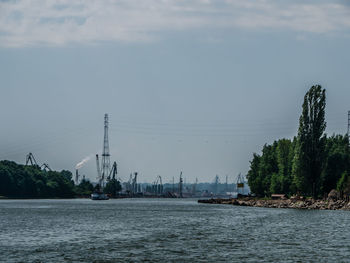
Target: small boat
(99, 196)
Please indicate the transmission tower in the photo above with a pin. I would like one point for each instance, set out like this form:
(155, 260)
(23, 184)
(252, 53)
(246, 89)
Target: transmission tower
(349, 123)
(105, 153)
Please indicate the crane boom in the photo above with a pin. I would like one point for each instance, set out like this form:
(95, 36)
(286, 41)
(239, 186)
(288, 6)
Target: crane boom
(113, 172)
(98, 168)
(30, 158)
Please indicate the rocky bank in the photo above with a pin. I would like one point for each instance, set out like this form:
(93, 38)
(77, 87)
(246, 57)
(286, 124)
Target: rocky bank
(284, 203)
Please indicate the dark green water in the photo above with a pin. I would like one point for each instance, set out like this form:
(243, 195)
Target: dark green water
(168, 230)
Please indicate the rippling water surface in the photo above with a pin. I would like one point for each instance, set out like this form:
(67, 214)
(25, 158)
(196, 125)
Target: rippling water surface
(168, 230)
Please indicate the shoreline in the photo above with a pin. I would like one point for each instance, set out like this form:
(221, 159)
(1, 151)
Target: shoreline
(309, 204)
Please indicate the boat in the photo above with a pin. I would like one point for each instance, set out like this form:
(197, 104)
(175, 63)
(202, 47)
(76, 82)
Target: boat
(99, 196)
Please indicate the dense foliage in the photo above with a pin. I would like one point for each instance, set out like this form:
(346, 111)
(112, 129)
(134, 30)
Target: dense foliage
(311, 141)
(311, 164)
(84, 189)
(112, 187)
(31, 182)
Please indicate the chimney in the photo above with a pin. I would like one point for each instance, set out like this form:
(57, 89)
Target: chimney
(76, 177)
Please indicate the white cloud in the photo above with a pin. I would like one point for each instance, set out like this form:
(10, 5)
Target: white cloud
(60, 22)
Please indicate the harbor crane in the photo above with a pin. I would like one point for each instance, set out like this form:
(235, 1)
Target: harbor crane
(216, 184)
(45, 167)
(180, 186)
(30, 159)
(240, 184)
(113, 172)
(134, 183)
(158, 186)
(194, 186)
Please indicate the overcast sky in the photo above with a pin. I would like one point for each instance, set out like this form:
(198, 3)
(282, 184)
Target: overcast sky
(194, 86)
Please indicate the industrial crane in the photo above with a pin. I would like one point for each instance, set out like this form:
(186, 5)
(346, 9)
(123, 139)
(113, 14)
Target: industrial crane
(240, 184)
(134, 183)
(158, 186)
(180, 186)
(31, 159)
(194, 187)
(113, 172)
(45, 167)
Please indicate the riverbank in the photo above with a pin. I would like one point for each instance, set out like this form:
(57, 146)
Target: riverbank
(286, 203)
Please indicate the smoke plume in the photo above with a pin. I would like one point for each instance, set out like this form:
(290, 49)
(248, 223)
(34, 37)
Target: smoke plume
(84, 161)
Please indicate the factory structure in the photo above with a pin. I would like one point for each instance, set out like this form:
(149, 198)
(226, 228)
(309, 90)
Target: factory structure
(132, 188)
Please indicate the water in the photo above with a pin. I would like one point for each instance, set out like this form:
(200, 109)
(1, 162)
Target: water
(168, 230)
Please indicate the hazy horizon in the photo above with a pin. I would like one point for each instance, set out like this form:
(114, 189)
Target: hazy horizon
(194, 86)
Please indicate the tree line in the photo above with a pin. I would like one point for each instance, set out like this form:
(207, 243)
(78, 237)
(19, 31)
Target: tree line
(310, 164)
(29, 181)
(22, 181)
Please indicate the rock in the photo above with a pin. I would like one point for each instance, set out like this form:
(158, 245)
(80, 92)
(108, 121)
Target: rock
(333, 195)
(289, 203)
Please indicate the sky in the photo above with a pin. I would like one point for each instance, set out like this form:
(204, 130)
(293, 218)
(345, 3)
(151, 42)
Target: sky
(196, 86)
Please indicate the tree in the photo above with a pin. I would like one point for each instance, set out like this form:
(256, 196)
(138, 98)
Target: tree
(85, 188)
(337, 161)
(309, 155)
(343, 185)
(285, 154)
(276, 184)
(6, 181)
(268, 166)
(271, 172)
(253, 176)
(31, 182)
(112, 187)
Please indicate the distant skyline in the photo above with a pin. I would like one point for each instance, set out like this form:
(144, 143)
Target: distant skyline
(194, 86)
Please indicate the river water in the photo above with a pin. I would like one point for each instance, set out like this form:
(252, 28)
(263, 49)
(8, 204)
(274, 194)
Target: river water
(168, 230)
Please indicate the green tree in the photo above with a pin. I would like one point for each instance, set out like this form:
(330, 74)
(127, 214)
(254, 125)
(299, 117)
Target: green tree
(310, 148)
(85, 188)
(268, 166)
(253, 176)
(6, 181)
(276, 184)
(31, 182)
(285, 154)
(343, 185)
(112, 187)
(337, 161)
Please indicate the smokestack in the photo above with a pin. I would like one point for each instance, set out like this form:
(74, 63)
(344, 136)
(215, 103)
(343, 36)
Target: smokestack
(76, 176)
